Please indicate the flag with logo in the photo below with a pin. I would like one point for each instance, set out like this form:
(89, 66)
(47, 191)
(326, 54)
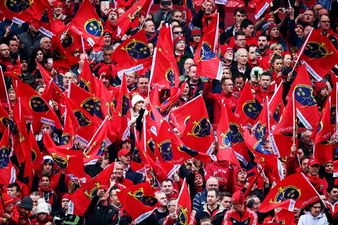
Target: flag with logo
(85, 100)
(184, 204)
(227, 137)
(83, 196)
(319, 55)
(248, 108)
(87, 80)
(87, 23)
(131, 17)
(276, 105)
(23, 10)
(194, 125)
(171, 149)
(67, 159)
(305, 103)
(133, 54)
(7, 170)
(291, 188)
(323, 147)
(165, 73)
(35, 108)
(139, 201)
(208, 63)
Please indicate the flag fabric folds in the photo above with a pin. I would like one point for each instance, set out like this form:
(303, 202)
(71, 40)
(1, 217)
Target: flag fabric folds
(295, 187)
(208, 63)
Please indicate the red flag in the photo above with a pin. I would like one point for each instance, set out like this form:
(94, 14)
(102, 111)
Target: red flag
(52, 91)
(100, 141)
(131, 17)
(306, 105)
(87, 23)
(165, 73)
(85, 100)
(123, 99)
(133, 54)
(3, 89)
(87, 80)
(20, 139)
(7, 170)
(247, 108)
(139, 201)
(295, 187)
(224, 138)
(83, 196)
(68, 133)
(79, 115)
(319, 55)
(323, 147)
(36, 156)
(197, 130)
(65, 38)
(173, 98)
(208, 63)
(70, 160)
(276, 105)
(4, 119)
(184, 204)
(25, 10)
(262, 128)
(171, 149)
(35, 107)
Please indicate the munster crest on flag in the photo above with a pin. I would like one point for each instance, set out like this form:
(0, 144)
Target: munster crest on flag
(208, 64)
(304, 95)
(18, 6)
(319, 55)
(295, 187)
(137, 49)
(87, 23)
(37, 104)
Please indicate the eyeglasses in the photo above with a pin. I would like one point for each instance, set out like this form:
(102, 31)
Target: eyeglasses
(178, 32)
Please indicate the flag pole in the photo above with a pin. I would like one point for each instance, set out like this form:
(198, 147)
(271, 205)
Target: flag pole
(97, 131)
(307, 180)
(268, 109)
(302, 49)
(83, 46)
(294, 116)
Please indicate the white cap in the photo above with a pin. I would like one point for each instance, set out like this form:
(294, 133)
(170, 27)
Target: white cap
(43, 207)
(136, 98)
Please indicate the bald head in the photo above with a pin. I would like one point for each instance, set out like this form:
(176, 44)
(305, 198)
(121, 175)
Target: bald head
(212, 182)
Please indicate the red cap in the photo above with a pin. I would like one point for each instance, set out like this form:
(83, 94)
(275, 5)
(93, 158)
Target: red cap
(313, 162)
(106, 70)
(123, 152)
(196, 31)
(58, 3)
(225, 48)
(178, 39)
(66, 196)
(319, 86)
